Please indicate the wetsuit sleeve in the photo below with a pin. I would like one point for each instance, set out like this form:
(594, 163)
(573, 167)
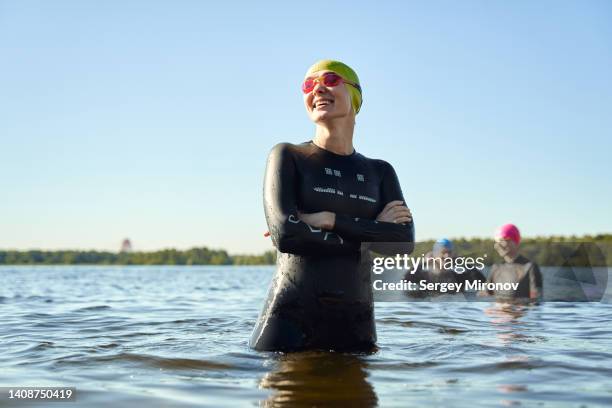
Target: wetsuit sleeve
(366, 230)
(289, 234)
(492, 279)
(535, 280)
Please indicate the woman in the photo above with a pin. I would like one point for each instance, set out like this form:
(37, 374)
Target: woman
(322, 199)
(516, 268)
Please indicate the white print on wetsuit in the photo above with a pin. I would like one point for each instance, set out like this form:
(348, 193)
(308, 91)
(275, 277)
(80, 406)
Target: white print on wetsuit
(329, 190)
(338, 173)
(333, 172)
(362, 197)
(294, 220)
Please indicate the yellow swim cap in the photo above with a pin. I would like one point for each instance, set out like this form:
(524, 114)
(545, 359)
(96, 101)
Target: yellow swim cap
(345, 72)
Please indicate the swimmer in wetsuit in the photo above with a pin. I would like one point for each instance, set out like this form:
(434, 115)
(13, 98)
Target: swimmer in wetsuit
(515, 269)
(444, 248)
(434, 271)
(322, 200)
(437, 269)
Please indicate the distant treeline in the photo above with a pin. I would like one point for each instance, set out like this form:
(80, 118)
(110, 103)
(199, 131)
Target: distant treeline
(547, 251)
(194, 256)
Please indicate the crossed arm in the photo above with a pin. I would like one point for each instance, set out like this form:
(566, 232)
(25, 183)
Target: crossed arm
(326, 232)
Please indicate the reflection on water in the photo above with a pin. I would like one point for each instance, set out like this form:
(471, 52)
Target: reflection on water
(177, 337)
(508, 321)
(511, 389)
(506, 318)
(319, 378)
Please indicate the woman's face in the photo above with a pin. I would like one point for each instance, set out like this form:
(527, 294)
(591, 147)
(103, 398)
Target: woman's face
(506, 247)
(325, 103)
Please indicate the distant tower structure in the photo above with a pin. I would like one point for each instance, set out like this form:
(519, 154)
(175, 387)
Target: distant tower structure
(126, 245)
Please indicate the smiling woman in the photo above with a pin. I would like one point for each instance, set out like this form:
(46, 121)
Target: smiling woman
(322, 200)
(330, 79)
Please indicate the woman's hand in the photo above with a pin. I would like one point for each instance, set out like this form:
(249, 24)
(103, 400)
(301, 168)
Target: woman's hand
(395, 212)
(324, 219)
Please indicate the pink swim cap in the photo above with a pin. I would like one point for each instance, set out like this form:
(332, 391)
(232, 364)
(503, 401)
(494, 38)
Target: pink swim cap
(508, 231)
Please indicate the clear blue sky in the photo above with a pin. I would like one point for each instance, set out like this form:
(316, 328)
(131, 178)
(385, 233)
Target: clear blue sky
(153, 120)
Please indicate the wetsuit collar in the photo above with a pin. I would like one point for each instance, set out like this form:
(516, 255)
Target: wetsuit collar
(332, 154)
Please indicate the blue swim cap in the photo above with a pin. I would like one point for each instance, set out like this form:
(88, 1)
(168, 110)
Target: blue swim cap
(442, 243)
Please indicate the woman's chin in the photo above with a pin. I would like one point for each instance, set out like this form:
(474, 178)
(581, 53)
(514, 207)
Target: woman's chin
(320, 114)
(323, 116)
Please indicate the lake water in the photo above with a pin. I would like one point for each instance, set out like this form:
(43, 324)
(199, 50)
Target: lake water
(177, 337)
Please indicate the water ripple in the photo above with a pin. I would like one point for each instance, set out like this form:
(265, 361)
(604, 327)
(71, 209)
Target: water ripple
(178, 336)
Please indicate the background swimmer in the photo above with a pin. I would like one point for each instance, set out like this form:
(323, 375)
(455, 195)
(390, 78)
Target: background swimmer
(515, 269)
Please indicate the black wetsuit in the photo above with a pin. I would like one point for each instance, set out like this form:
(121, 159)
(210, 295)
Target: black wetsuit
(522, 271)
(321, 295)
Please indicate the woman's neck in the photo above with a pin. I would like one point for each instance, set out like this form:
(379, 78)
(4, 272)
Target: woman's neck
(335, 137)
